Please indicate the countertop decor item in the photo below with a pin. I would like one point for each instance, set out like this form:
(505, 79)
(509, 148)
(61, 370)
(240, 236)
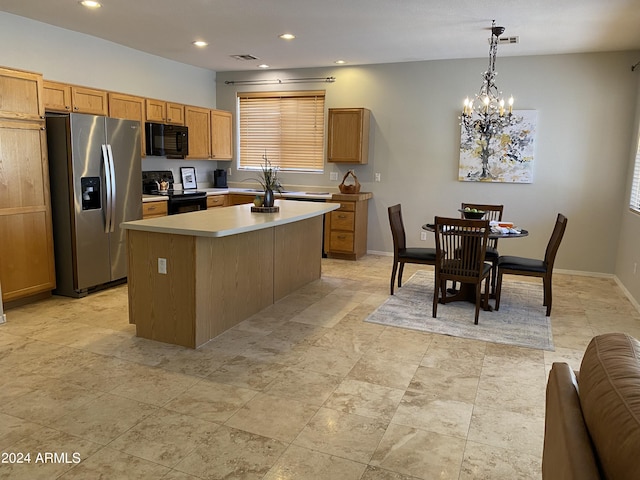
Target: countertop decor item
(349, 188)
(269, 181)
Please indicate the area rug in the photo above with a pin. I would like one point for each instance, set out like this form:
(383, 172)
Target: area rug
(521, 320)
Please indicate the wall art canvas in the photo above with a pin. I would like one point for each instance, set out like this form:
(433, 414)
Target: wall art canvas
(506, 156)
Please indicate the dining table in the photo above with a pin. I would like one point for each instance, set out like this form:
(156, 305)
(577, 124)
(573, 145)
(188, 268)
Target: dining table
(467, 292)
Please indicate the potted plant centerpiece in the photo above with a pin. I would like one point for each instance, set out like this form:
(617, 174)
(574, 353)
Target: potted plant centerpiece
(269, 181)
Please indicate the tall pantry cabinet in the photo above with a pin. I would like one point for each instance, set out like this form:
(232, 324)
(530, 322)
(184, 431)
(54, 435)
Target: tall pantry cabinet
(26, 238)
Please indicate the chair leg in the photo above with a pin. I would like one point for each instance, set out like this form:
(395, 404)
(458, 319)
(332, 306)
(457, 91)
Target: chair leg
(498, 289)
(494, 271)
(436, 294)
(547, 293)
(478, 300)
(400, 274)
(393, 275)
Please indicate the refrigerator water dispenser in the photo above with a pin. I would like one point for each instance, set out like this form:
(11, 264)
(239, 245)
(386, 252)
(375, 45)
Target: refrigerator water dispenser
(90, 193)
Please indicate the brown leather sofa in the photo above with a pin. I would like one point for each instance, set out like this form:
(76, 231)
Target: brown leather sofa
(592, 419)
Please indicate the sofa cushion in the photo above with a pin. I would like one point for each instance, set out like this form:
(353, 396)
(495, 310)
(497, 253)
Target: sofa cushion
(609, 386)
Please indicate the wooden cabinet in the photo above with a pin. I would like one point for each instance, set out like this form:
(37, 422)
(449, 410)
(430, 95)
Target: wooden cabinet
(198, 120)
(221, 135)
(131, 108)
(345, 233)
(348, 135)
(214, 201)
(240, 198)
(26, 234)
(160, 111)
(60, 97)
(154, 209)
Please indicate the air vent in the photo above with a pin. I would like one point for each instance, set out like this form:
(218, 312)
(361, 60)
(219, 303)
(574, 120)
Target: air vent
(244, 57)
(507, 40)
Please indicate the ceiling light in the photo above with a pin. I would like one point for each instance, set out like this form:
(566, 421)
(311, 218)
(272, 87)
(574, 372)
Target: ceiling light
(490, 117)
(263, 65)
(287, 36)
(340, 62)
(90, 4)
(200, 43)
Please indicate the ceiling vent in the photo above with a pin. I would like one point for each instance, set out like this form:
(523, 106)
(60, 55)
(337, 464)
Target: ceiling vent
(244, 57)
(507, 40)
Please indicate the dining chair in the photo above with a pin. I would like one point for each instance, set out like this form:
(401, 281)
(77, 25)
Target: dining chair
(402, 254)
(492, 213)
(534, 268)
(460, 257)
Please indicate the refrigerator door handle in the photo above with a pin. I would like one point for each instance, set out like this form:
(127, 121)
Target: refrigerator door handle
(107, 179)
(112, 172)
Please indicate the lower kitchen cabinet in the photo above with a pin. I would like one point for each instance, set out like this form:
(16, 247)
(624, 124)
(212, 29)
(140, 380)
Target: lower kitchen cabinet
(154, 209)
(217, 201)
(240, 198)
(345, 231)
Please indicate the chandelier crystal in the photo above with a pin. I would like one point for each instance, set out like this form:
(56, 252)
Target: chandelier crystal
(486, 115)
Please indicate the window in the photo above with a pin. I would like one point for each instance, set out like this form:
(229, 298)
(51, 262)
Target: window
(634, 201)
(289, 126)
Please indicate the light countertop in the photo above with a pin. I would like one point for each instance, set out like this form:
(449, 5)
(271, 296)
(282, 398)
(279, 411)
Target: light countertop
(222, 222)
(286, 194)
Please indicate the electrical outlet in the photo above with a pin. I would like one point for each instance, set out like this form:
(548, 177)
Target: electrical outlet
(229, 172)
(423, 235)
(333, 176)
(377, 177)
(162, 266)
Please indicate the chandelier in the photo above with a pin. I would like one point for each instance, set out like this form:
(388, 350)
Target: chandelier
(486, 115)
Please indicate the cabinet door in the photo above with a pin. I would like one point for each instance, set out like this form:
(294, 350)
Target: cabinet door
(21, 95)
(131, 108)
(26, 235)
(89, 100)
(348, 135)
(156, 111)
(221, 135)
(198, 121)
(57, 96)
(175, 113)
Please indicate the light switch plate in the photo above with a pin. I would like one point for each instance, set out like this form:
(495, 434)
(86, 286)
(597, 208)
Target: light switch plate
(333, 176)
(162, 266)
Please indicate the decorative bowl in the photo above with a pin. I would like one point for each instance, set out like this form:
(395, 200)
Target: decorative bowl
(470, 215)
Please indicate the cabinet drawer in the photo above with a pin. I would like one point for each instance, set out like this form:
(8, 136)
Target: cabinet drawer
(154, 209)
(342, 220)
(347, 207)
(215, 201)
(341, 241)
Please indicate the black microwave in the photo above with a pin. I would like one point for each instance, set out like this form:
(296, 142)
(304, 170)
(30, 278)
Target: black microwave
(167, 140)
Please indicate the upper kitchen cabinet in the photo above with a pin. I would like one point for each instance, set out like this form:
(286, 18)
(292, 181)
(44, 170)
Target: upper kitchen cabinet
(21, 95)
(198, 120)
(221, 135)
(129, 107)
(348, 135)
(26, 235)
(159, 111)
(60, 97)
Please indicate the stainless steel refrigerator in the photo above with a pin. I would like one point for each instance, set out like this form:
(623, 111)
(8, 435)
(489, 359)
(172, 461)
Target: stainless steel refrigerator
(96, 183)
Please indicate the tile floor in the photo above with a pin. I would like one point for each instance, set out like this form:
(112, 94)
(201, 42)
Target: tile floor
(304, 390)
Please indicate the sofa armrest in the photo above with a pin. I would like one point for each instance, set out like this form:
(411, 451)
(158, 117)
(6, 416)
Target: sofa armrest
(568, 452)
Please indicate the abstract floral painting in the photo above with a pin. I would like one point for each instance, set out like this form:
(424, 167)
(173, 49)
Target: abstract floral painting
(508, 154)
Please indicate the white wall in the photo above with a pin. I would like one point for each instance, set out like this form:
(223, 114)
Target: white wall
(586, 108)
(66, 56)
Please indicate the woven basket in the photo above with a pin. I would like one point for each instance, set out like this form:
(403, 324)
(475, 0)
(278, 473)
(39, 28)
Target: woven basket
(351, 188)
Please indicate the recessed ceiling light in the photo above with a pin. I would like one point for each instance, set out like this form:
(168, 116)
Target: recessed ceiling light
(263, 65)
(200, 43)
(340, 62)
(287, 36)
(90, 4)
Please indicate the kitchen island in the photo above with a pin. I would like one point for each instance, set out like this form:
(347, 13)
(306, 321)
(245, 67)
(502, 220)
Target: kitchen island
(193, 276)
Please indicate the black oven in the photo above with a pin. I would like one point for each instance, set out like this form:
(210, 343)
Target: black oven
(186, 202)
(178, 201)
